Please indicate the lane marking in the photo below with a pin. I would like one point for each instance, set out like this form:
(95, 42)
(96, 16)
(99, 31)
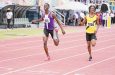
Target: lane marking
(18, 70)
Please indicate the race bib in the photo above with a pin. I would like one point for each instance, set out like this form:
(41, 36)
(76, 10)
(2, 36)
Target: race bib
(90, 24)
(46, 19)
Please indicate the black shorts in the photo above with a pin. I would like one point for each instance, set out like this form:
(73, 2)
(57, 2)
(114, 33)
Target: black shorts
(8, 21)
(47, 32)
(89, 36)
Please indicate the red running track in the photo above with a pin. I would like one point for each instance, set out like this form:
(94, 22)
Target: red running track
(25, 56)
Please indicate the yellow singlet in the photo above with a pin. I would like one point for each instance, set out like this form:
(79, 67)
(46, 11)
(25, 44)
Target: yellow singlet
(91, 24)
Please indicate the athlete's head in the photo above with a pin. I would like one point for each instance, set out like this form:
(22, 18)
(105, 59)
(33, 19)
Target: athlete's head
(46, 6)
(92, 9)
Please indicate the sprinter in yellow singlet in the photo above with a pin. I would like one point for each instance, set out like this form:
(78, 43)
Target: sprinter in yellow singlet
(92, 25)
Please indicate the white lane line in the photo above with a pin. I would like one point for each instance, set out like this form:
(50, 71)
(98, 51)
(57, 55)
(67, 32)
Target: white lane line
(111, 58)
(6, 68)
(40, 40)
(24, 42)
(53, 51)
(41, 72)
(20, 49)
(18, 70)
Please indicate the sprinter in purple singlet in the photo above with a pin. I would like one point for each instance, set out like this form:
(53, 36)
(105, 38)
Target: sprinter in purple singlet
(49, 28)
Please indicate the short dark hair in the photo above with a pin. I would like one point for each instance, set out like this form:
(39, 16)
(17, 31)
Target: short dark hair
(92, 6)
(48, 4)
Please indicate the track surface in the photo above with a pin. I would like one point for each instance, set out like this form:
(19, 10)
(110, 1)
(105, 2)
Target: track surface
(25, 56)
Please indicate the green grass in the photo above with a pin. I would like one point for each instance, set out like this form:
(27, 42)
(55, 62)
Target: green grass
(21, 32)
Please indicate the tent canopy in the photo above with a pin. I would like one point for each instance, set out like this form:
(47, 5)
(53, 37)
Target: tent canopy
(2, 5)
(73, 6)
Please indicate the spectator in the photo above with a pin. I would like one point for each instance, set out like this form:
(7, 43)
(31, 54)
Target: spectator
(71, 19)
(9, 16)
(79, 18)
(100, 17)
(66, 17)
(82, 16)
(112, 17)
(64, 13)
(104, 18)
(76, 18)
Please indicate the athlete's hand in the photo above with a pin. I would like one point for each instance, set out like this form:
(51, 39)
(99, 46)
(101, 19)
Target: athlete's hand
(95, 32)
(63, 32)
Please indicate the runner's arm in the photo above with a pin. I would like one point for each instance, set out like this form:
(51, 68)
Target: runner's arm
(37, 20)
(97, 24)
(54, 16)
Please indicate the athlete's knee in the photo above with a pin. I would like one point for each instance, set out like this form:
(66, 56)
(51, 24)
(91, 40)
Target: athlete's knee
(45, 43)
(93, 43)
(89, 46)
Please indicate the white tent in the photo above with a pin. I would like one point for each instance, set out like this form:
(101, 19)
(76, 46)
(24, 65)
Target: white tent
(2, 5)
(73, 6)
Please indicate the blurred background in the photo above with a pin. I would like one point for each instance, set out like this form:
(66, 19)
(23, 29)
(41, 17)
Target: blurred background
(69, 12)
